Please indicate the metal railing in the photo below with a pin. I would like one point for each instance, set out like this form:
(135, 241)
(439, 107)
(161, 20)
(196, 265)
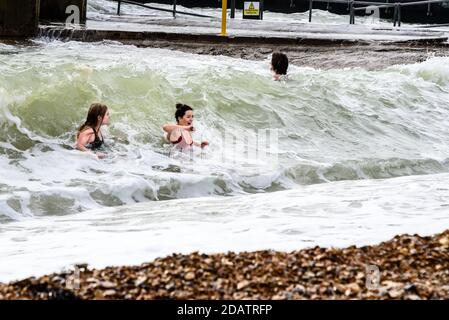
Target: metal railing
(173, 11)
(397, 15)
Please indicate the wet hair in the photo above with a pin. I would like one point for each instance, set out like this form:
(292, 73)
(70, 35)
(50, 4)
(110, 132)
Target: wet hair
(96, 110)
(279, 62)
(181, 110)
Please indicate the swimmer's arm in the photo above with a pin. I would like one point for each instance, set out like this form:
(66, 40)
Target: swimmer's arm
(171, 127)
(201, 144)
(82, 140)
(82, 148)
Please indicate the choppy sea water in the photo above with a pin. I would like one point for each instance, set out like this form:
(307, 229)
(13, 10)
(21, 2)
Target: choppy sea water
(359, 156)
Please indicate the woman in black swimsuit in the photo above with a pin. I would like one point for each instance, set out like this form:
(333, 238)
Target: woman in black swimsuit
(89, 137)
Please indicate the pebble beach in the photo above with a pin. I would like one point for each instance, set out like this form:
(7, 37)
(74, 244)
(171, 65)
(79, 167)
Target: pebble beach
(410, 267)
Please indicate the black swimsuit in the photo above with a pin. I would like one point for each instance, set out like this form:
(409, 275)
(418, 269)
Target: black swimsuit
(97, 143)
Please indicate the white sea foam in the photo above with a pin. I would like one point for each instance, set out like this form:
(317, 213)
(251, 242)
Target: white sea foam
(58, 206)
(336, 214)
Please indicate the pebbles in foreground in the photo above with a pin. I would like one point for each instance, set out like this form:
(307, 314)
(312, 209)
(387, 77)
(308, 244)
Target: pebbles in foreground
(409, 267)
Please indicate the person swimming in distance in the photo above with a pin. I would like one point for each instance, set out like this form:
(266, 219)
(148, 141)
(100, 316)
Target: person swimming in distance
(89, 137)
(179, 134)
(279, 66)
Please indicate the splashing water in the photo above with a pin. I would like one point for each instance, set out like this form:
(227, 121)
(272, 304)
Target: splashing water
(333, 127)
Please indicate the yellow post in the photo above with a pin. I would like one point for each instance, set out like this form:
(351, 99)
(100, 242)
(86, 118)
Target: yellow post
(224, 11)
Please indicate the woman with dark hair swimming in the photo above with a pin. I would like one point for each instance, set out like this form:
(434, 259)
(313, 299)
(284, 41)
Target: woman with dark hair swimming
(179, 134)
(279, 66)
(89, 137)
